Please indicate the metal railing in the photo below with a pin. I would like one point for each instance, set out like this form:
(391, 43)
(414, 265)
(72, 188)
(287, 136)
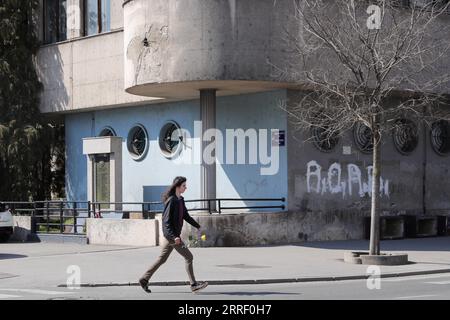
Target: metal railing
(68, 217)
(53, 216)
(99, 208)
(212, 205)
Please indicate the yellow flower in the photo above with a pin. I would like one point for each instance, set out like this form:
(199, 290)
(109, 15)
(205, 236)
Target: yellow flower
(203, 237)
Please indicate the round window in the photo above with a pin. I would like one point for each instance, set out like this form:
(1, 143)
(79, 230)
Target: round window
(324, 140)
(107, 132)
(405, 136)
(137, 142)
(440, 137)
(170, 139)
(363, 137)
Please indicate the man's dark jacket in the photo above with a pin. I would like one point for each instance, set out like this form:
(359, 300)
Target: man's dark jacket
(171, 218)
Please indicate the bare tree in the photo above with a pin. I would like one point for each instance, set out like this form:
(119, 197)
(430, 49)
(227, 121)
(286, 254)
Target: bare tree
(353, 56)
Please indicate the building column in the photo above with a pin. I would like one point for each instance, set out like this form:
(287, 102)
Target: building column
(208, 118)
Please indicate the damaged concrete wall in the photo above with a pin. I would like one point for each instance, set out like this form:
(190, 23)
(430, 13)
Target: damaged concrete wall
(196, 41)
(232, 45)
(84, 73)
(331, 187)
(22, 228)
(122, 232)
(254, 229)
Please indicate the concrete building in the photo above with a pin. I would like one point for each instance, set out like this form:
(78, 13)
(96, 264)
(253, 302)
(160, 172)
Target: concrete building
(126, 74)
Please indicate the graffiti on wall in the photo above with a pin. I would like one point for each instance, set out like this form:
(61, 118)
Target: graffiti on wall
(332, 181)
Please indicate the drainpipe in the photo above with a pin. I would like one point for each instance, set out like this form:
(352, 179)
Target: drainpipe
(424, 169)
(93, 124)
(208, 171)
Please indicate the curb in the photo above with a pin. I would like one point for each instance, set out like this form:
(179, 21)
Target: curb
(59, 238)
(261, 281)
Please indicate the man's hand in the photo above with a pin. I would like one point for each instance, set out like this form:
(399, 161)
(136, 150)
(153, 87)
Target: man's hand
(177, 241)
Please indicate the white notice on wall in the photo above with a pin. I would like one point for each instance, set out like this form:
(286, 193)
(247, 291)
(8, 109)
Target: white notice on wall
(347, 150)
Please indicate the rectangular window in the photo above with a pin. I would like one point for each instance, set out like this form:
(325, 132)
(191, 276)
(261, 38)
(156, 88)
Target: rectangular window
(97, 16)
(90, 17)
(106, 15)
(55, 20)
(102, 174)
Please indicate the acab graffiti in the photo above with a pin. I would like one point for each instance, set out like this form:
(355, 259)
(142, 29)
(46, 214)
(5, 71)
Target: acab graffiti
(332, 181)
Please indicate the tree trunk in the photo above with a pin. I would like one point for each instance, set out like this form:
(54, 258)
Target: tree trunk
(376, 175)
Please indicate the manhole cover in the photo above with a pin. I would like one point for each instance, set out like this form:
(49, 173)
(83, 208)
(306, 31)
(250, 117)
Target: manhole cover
(242, 266)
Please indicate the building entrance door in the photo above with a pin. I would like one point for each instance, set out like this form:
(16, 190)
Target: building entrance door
(104, 171)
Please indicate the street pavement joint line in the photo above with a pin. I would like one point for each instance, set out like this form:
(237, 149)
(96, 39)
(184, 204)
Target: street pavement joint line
(37, 291)
(417, 297)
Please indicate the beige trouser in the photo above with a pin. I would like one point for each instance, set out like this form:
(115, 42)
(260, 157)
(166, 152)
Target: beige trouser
(166, 249)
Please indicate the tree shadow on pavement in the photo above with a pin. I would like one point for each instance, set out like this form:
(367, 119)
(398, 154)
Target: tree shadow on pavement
(242, 293)
(408, 263)
(414, 244)
(436, 263)
(5, 256)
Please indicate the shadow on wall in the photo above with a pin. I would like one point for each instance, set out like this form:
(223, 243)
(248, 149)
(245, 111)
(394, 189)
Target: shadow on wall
(250, 180)
(50, 70)
(51, 74)
(154, 194)
(77, 127)
(246, 181)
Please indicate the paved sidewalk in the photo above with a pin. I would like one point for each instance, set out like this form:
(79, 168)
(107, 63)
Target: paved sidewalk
(36, 264)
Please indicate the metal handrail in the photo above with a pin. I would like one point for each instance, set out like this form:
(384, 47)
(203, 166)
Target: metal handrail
(208, 208)
(52, 213)
(46, 212)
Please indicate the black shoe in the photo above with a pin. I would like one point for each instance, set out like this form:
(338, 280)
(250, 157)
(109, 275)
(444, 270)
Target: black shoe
(199, 286)
(144, 285)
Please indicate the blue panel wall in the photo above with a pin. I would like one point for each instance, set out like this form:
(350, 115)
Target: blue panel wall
(258, 111)
(144, 180)
(155, 169)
